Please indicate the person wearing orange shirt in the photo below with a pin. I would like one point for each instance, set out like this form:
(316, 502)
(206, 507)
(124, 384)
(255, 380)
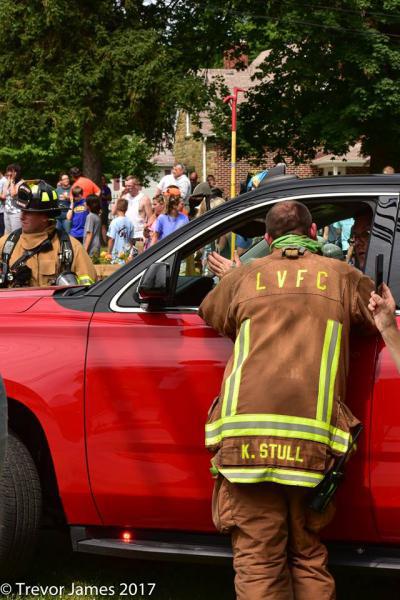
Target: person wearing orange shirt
(88, 186)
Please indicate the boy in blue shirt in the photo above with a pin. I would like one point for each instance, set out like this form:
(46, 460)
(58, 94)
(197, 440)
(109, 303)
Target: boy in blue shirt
(120, 232)
(77, 214)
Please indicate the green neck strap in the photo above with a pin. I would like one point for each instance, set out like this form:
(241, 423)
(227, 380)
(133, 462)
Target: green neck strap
(299, 241)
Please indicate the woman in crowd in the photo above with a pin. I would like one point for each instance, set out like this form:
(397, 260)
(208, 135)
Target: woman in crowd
(170, 221)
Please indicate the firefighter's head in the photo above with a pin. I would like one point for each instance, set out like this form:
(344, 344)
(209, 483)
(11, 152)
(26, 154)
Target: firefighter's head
(289, 217)
(38, 203)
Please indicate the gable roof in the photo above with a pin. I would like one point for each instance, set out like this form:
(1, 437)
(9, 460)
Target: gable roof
(231, 78)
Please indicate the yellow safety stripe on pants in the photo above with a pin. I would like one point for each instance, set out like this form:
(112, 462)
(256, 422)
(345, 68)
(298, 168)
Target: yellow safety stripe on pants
(267, 425)
(328, 370)
(232, 383)
(85, 280)
(272, 474)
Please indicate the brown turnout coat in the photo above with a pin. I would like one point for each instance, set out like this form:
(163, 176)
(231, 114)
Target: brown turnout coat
(281, 413)
(45, 265)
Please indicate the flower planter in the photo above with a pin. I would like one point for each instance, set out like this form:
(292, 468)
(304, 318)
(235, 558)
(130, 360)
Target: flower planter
(104, 271)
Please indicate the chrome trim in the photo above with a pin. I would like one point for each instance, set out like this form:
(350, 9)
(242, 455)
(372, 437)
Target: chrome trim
(114, 301)
(172, 310)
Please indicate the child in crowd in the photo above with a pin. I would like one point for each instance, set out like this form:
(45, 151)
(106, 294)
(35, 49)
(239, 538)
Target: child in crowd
(92, 231)
(77, 214)
(120, 231)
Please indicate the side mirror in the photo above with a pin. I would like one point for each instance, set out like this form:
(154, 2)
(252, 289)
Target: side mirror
(154, 285)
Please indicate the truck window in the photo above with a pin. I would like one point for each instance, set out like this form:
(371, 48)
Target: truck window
(195, 279)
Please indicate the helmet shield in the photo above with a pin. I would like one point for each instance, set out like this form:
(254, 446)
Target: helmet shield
(37, 196)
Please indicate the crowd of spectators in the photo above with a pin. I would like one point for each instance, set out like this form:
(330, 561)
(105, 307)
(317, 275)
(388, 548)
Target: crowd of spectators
(126, 225)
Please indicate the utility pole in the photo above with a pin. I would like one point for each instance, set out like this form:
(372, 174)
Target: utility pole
(232, 99)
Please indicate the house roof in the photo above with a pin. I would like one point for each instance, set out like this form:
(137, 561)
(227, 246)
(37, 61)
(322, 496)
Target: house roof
(352, 158)
(231, 78)
(163, 159)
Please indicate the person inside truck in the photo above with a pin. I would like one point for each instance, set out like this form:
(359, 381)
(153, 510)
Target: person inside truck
(360, 235)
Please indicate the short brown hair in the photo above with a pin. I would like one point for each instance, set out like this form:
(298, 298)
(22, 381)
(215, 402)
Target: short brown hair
(75, 172)
(77, 191)
(93, 204)
(288, 216)
(122, 205)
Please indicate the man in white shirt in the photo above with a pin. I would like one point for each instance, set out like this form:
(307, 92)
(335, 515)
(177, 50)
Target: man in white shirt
(178, 178)
(3, 181)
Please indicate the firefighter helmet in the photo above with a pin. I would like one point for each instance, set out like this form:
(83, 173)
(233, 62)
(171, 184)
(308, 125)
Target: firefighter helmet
(37, 196)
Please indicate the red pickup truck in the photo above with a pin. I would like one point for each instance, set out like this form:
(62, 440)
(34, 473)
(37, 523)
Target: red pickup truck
(108, 393)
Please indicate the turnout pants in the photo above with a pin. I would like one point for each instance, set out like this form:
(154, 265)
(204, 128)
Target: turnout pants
(277, 554)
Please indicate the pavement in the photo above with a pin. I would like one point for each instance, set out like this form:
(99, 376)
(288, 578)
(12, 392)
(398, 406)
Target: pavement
(54, 564)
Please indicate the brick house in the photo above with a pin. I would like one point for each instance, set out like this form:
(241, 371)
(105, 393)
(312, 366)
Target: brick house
(202, 153)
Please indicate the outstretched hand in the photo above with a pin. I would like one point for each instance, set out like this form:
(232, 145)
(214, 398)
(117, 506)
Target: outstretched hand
(221, 265)
(383, 308)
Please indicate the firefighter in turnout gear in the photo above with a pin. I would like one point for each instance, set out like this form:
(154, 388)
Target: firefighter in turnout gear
(37, 254)
(280, 420)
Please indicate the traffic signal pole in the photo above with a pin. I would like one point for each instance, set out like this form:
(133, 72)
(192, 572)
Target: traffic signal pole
(232, 99)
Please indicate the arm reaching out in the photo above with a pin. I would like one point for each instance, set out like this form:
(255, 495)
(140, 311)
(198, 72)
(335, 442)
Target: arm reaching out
(382, 308)
(221, 265)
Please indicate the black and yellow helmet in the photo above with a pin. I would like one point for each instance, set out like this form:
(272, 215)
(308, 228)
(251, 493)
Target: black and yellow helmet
(37, 196)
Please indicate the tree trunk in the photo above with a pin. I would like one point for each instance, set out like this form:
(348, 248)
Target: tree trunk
(382, 155)
(92, 165)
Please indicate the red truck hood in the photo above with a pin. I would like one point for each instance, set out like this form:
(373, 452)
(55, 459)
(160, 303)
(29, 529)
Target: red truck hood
(20, 300)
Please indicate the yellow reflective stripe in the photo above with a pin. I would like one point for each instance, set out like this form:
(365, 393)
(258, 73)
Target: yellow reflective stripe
(262, 418)
(45, 197)
(238, 375)
(340, 435)
(323, 369)
(258, 425)
(231, 382)
(85, 280)
(273, 474)
(281, 433)
(328, 370)
(334, 369)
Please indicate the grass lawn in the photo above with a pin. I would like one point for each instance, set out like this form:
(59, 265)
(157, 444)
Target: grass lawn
(82, 576)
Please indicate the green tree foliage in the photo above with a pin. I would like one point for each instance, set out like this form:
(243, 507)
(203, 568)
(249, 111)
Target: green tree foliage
(77, 77)
(331, 77)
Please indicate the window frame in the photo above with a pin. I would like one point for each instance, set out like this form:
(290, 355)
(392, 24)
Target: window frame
(200, 234)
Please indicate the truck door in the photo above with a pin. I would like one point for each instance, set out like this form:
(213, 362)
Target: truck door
(150, 378)
(385, 431)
